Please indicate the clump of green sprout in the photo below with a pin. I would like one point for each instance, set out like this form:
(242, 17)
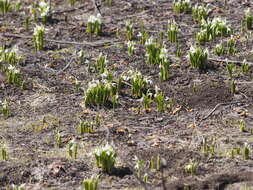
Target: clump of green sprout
(248, 19)
(181, 6)
(13, 75)
(208, 148)
(85, 127)
(115, 100)
(160, 100)
(152, 52)
(44, 11)
(58, 138)
(72, 149)
(231, 46)
(9, 56)
(164, 64)
(211, 29)
(219, 49)
(99, 93)
(129, 31)
(4, 152)
(230, 69)
(245, 67)
(233, 86)
(155, 162)
(101, 64)
(80, 55)
(91, 183)
(139, 83)
(38, 37)
(130, 47)
(5, 6)
(139, 166)
(18, 187)
(5, 108)
(191, 167)
(94, 25)
(198, 57)
(27, 23)
(172, 31)
(200, 12)
(72, 2)
(242, 126)
(33, 11)
(143, 35)
(246, 151)
(146, 100)
(105, 157)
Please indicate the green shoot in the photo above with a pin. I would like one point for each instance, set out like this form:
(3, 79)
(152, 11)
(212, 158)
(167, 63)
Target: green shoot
(72, 149)
(130, 47)
(5, 6)
(152, 52)
(91, 183)
(160, 100)
(44, 11)
(200, 12)
(172, 31)
(245, 67)
(164, 64)
(230, 69)
(248, 19)
(101, 64)
(105, 157)
(219, 49)
(246, 151)
(146, 100)
(198, 57)
(129, 31)
(5, 108)
(181, 6)
(191, 168)
(85, 127)
(231, 46)
(94, 25)
(58, 138)
(38, 37)
(4, 153)
(233, 87)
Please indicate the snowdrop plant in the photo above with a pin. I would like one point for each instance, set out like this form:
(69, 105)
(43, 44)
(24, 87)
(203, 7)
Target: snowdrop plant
(219, 49)
(13, 75)
(5, 108)
(220, 27)
(91, 183)
(180, 6)
(246, 151)
(4, 152)
(72, 149)
(143, 36)
(18, 187)
(245, 67)
(101, 64)
(248, 19)
(129, 31)
(139, 83)
(85, 127)
(105, 157)
(152, 52)
(164, 64)
(242, 126)
(94, 25)
(160, 100)
(146, 100)
(58, 138)
(172, 31)
(99, 93)
(231, 45)
(191, 167)
(198, 57)
(139, 166)
(9, 56)
(38, 37)
(5, 6)
(233, 86)
(230, 69)
(43, 10)
(200, 12)
(130, 47)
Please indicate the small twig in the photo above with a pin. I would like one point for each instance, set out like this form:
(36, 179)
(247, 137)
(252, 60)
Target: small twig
(218, 105)
(71, 60)
(84, 43)
(230, 61)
